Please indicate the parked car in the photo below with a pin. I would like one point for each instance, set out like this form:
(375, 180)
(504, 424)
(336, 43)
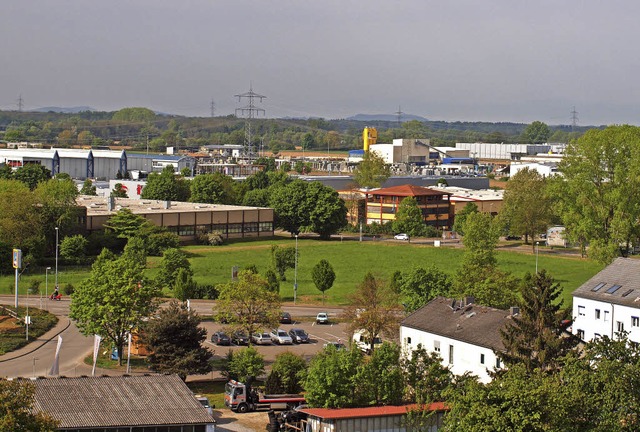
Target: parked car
(513, 237)
(299, 335)
(322, 318)
(263, 338)
(401, 236)
(240, 338)
(220, 338)
(285, 318)
(337, 345)
(280, 337)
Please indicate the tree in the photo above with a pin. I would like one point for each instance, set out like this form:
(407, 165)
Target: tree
(409, 218)
(461, 218)
(125, 224)
(119, 191)
(323, 276)
(114, 300)
(535, 338)
(247, 303)
(527, 207)
(173, 260)
(175, 340)
(6, 172)
(381, 377)
(272, 280)
(165, 186)
(88, 188)
(331, 380)
(286, 374)
(32, 174)
(57, 201)
(134, 114)
(184, 286)
(245, 365)
(214, 188)
(20, 223)
(18, 412)
(480, 240)
(328, 212)
(600, 200)
(536, 133)
(283, 258)
(421, 285)
(308, 141)
(372, 171)
(73, 249)
(373, 309)
(425, 377)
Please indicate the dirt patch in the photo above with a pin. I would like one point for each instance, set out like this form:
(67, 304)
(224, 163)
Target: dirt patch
(8, 323)
(231, 421)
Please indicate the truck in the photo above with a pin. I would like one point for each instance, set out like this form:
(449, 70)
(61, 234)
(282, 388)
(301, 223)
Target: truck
(242, 398)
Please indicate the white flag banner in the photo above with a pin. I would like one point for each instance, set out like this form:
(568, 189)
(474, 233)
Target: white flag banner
(129, 353)
(96, 348)
(55, 368)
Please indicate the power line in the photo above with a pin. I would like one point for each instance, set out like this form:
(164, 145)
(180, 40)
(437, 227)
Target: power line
(574, 118)
(213, 108)
(20, 103)
(248, 112)
(399, 114)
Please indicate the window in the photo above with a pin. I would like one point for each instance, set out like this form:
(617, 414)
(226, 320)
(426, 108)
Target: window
(597, 313)
(580, 310)
(597, 287)
(450, 354)
(596, 336)
(234, 228)
(580, 334)
(481, 358)
(613, 289)
(606, 316)
(251, 227)
(436, 346)
(498, 363)
(408, 341)
(620, 326)
(635, 321)
(266, 226)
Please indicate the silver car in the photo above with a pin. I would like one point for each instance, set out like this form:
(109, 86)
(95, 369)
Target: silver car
(281, 337)
(261, 338)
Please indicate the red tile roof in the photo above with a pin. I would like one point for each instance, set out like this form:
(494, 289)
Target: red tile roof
(407, 190)
(376, 411)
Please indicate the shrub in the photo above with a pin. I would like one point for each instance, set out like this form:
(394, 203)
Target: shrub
(34, 287)
(214, 238)
(73, 249)
(157, 243)
(68, 289)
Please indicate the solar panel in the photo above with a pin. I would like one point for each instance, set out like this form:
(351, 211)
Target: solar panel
(597, 287)
(613, 289)
(626, 293)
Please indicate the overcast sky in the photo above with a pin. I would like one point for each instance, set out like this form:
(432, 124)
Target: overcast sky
(490, 60)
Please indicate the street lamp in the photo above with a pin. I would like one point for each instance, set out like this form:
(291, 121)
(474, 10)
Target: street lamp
(46, 282)
(57, 232)
(295, 273)
(537, 245)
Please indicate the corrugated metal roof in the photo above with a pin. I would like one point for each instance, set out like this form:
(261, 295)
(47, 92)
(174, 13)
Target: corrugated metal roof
(119, 401)
(475, 324)
(623, 272)
(376, 411)
(28, 153)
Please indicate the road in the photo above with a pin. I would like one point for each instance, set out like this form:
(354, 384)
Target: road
(36, 358)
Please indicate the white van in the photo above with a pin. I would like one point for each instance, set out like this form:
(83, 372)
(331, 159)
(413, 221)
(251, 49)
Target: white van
(362, 340)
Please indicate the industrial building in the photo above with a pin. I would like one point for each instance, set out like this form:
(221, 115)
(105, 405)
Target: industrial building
(498, 151)
(187, 220)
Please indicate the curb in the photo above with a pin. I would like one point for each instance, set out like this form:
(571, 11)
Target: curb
(39, 346)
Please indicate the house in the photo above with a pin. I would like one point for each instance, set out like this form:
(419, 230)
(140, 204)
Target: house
(158, 403)
(465, 335)
(437, 209)
(371, 419)
(609, 302)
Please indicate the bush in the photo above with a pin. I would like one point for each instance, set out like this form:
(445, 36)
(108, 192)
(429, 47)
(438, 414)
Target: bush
(34, 287)
(99, 240)
(68, 289)
(214, 238)
(157, 243)
(73, 249)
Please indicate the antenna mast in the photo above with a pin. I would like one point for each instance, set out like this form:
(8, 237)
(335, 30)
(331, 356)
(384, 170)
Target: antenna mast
(249, 111)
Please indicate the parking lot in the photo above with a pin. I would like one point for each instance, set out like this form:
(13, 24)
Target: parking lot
(319, 334)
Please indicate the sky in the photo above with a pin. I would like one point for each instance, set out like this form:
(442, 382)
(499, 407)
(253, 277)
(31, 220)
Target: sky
(466, 60)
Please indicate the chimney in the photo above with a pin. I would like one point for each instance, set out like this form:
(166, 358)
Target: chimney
(166, 204)
(469, 300)
(514, 310)
(111, 203)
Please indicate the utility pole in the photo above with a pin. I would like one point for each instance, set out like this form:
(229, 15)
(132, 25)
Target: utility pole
(574, 118)
(249, 111)
(399, 115)
(20, 103)
(213, 108)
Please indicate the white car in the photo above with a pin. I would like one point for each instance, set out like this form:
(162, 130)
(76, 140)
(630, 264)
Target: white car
(280, 337)
(401, 236)
(322, 318)
(261, 338)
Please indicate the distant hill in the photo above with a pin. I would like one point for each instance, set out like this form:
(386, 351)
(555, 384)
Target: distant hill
(385, 117)
(64, 110)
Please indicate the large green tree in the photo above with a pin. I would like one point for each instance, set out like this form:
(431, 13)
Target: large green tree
(114, 300)
(134, 114)
(536, 133)
(381, 377)
(18, 412)
(213, 188)
(175, 339)
(323, 276)
(421, 285)
(461, 217)
(527, 206)
(244, 365)
(32, 174)
(287, 373)
(372, 171)
(173, 260)
(425, 378)
(283, 258)
(600, 200)
(20, 223)
(166, 186)
(409, 218)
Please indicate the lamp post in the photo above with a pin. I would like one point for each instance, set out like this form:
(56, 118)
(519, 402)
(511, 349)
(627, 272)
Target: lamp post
(46, 283)
(537, 244)
(295, 273)
(57, 232)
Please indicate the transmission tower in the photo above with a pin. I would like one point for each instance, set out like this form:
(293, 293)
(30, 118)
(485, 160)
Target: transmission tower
(249, 111)
(399, 115)
(213, 108)
(574, 118)
(20, 103)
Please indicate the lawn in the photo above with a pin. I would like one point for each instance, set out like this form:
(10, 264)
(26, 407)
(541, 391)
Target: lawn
(350, 259)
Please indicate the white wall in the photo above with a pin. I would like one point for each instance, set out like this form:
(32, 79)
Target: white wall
(586, 319)
(466, 357)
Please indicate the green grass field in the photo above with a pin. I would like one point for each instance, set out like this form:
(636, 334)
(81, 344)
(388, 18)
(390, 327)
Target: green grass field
(351, 261)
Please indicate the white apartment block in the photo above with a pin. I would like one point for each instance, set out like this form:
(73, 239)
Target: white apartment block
(609, 302)
(465, 335)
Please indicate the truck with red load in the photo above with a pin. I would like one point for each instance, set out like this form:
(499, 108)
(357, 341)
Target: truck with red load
(242, 398)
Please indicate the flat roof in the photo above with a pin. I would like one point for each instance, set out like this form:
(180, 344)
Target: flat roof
(97, 206)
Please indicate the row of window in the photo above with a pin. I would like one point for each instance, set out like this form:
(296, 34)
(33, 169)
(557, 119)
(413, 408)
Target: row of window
(604, 315)
(436, 348)
(185, 428)
(238, 228)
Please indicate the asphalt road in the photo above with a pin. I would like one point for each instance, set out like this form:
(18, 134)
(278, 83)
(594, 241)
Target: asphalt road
(36, 358)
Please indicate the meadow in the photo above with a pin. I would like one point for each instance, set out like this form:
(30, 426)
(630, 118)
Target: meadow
(350, 259)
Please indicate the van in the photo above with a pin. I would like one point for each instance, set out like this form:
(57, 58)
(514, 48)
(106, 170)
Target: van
(362, 340)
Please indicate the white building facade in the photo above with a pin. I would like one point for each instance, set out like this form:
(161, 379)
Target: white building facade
(609, 303)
